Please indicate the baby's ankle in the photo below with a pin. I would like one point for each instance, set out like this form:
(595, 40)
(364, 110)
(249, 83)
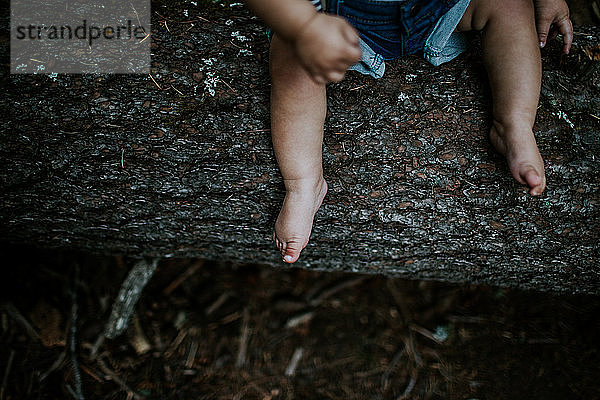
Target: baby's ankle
(512, 124)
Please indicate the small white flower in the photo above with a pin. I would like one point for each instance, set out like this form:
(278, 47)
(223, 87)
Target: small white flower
(239, 37)
(210, 83)
(402, 97)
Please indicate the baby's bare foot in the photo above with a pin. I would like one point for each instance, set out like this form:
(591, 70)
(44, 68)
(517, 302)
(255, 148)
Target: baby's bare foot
(294, 223)
(522, 155)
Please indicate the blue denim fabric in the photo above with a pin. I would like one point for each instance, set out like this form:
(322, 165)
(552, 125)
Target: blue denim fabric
(370, 62)
(443, 44)
(392, 28)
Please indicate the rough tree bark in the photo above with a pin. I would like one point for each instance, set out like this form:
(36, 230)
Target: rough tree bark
(180, 164)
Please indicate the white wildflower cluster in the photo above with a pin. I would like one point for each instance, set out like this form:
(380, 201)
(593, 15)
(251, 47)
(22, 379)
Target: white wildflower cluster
(402, 97)
(23, 68)
(209, 61)
(211, 80)
(244, 51)
(239, 36)
(562, 115)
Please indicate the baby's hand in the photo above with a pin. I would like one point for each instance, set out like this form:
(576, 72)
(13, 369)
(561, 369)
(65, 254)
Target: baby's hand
(551, 17)
(327, 46)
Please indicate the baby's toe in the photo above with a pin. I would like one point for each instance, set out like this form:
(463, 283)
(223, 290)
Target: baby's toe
(534, 180)
(529, 175)
(291, 252)
(281, 245)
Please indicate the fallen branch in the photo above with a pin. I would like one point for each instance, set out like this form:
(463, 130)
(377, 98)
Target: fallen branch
(130, 292)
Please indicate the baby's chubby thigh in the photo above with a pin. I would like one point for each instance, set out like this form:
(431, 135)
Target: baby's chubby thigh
(480, 12)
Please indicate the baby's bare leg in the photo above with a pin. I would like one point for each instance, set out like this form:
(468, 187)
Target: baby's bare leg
(512, 59)
(298, 107)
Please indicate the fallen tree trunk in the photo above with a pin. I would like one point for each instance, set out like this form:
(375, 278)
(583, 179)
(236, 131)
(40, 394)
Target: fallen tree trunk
(180, 163)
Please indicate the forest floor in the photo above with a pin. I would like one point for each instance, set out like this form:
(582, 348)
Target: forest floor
(213, 330)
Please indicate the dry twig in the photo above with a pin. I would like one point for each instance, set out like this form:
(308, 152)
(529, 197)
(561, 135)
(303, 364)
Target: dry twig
(54, 365)
(182, 278)
(385, 378)
(245, 334)
(409, 387)
(191, 356)
(153, 80)
(6, 372)
(139, 341)
(296, 357)
(425, 332)
(300, 319)
(330, 292)
(77, 392)
(119, 381)
(218, 303)
(130, 292)
(11, 310)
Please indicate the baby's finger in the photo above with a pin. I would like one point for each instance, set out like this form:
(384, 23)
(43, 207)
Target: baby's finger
(315, 74)
(350, 34)
(341, 68)
(353, 55)
(320, 79)
(335, 76)
(543, 27)
(566, 28)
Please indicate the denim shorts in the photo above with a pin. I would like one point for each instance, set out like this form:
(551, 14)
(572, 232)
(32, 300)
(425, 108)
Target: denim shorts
(390, 29)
